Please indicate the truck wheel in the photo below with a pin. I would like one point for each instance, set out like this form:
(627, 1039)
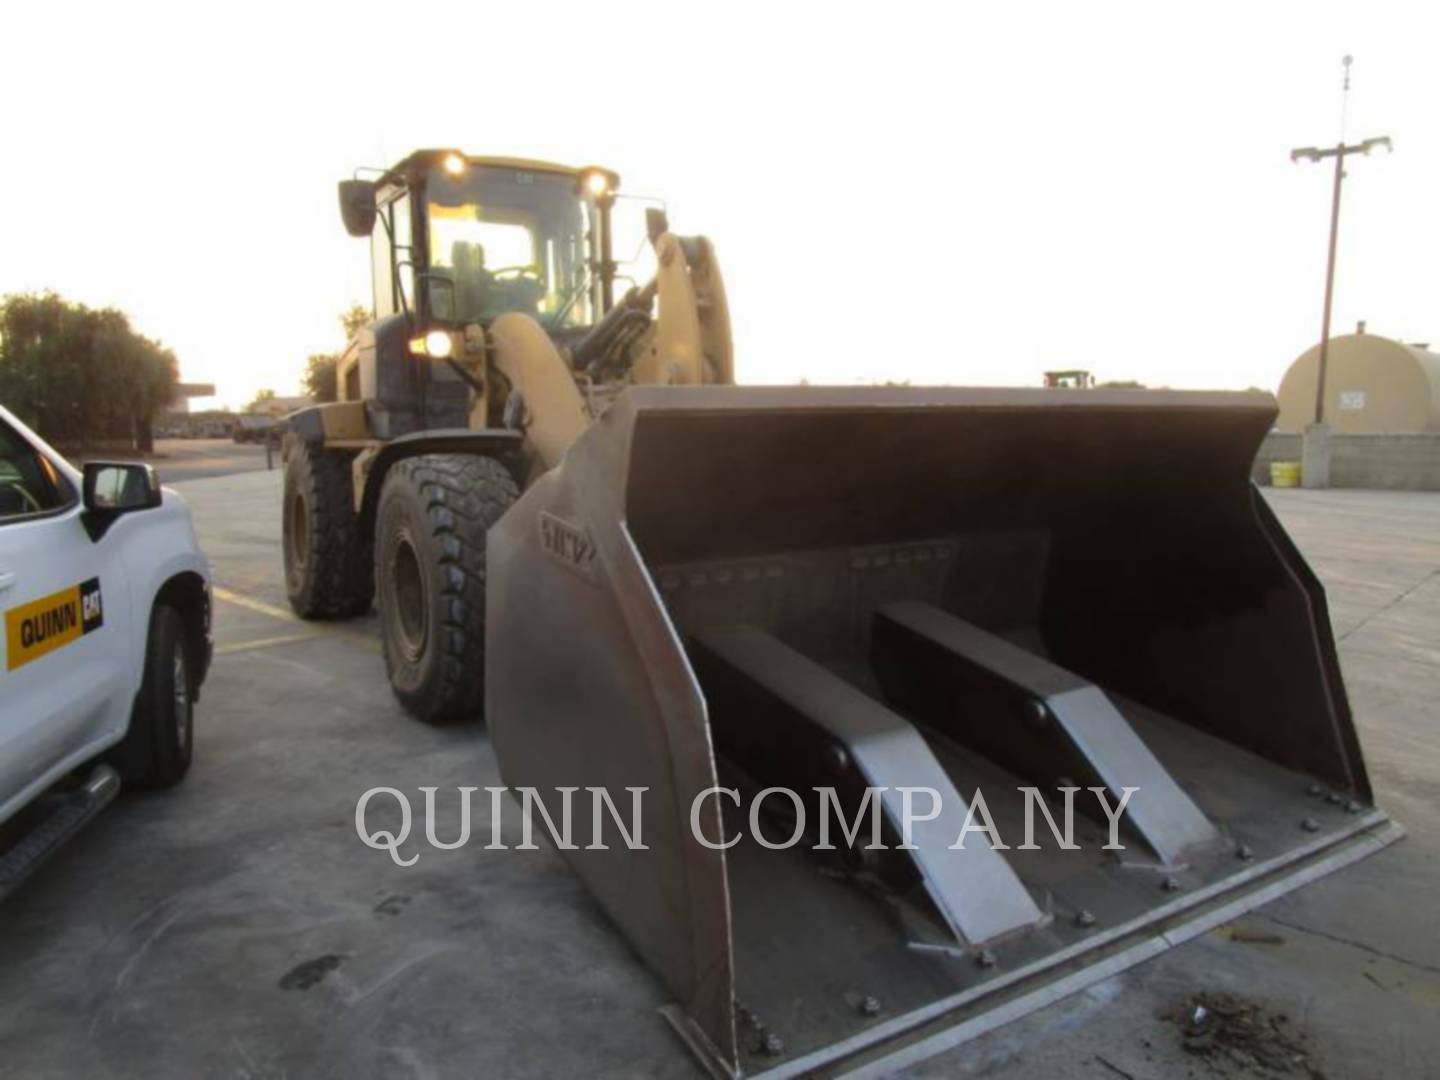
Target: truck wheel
(156, 750)
(435, 510)
(329, 572)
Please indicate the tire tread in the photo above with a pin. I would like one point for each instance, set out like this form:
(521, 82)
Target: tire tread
(339, 577)
(461, 496)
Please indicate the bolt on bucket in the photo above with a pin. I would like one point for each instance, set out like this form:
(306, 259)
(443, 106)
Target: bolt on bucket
(899, 604)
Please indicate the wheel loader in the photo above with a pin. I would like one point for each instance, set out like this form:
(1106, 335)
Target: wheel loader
(497, 338)
(900, 602)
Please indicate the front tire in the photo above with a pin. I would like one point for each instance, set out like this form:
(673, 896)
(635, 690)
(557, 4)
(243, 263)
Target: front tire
(158, 747)
(329, 573)
(434, 512)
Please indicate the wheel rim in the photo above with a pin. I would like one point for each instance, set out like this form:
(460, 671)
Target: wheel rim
(180, 690)
(299, 530)
(411, 606)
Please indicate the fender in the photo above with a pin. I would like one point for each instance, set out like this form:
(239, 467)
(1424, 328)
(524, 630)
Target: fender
(504, 445)
(157, 548)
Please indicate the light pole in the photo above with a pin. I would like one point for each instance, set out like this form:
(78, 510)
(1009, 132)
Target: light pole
(1339, 152)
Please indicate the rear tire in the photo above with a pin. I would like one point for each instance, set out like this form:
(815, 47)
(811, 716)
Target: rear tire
(157, 749)
(434, 512)
(329, 569)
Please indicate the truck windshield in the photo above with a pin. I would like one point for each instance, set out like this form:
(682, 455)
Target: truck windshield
(509, 240)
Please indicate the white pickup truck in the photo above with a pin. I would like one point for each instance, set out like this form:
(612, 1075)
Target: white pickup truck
(105, 605)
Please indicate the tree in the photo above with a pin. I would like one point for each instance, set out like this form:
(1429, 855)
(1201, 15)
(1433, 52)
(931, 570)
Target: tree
(1121, 384)
(261, 397)
(353, 319)
(80, 375)
(156, 373)
(319, 380)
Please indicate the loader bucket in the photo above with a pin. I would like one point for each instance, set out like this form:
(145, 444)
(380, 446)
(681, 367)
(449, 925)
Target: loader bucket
(927, 599)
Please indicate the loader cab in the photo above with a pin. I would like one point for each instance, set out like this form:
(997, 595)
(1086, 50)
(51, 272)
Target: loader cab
(459, 240)
(1074, 379)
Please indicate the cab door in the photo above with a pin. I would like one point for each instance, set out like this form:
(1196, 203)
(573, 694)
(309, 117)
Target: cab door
(64, 677)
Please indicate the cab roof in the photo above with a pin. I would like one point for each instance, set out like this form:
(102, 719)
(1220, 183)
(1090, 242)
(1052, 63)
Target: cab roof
(422, 160)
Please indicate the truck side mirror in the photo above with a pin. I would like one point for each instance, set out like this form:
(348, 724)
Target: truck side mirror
(112, 488)
(120, 486)
(357, 206)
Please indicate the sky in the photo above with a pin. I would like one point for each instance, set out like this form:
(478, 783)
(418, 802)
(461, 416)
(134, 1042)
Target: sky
(948, 193)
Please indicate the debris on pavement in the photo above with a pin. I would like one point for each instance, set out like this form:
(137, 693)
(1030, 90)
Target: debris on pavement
(1233, 1037)
(1253, 937)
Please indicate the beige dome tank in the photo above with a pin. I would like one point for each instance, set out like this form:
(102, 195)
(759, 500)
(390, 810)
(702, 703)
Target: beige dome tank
(1373, 385)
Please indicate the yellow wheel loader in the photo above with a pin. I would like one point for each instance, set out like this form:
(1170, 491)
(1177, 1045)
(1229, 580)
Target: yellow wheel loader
(926, 617)
(497, 339)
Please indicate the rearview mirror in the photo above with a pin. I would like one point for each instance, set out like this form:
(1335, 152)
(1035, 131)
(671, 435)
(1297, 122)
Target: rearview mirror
(357, 206)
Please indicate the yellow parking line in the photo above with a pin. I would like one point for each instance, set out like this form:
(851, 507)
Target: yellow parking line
(286, 615)
(262, 643)
(254, 605)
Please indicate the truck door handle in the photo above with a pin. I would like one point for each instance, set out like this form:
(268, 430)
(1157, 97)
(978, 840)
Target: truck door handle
(7, 578)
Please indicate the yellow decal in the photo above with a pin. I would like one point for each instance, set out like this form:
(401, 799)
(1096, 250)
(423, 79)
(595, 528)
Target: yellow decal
(52, 622)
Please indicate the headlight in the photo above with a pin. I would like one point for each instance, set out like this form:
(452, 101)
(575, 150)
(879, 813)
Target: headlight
(438, 344)
(596, 182)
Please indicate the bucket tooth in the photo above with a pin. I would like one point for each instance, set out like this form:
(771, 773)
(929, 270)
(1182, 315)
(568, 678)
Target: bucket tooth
(1030, 716)
(791, 722)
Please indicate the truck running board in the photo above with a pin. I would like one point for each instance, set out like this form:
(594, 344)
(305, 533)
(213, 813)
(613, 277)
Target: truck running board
(61, 817)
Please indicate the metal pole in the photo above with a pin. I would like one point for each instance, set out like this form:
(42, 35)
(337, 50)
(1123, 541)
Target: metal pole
(1329, 283)
(606, 203)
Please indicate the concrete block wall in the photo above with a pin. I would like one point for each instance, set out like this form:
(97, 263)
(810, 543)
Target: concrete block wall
(1402, 462)
(1393, 462)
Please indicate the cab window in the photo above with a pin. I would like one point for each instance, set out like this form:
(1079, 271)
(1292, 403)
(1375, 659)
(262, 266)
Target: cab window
(392, 259)
(29, 484)
(502, 240)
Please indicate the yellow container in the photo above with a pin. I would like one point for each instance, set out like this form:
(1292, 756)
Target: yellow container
(1285, 474)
